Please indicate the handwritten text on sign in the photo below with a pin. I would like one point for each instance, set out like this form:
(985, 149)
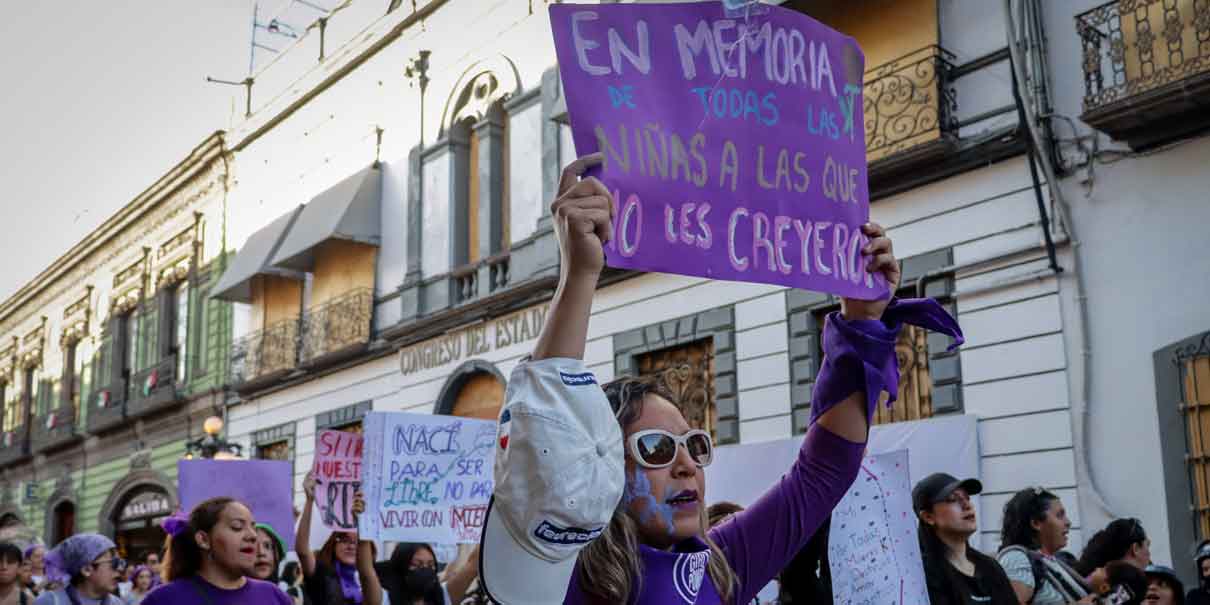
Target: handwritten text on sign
(427, 478)
(873, 550)
(734, 148)
(338, 470)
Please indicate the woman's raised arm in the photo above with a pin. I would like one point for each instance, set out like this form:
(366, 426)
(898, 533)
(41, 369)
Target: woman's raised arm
(583, 218)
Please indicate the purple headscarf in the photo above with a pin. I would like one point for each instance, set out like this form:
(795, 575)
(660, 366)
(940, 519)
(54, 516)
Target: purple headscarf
(349, 586)
(72, 554)
(138, 569)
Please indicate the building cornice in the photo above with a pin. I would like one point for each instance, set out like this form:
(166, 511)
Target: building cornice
(195, 164)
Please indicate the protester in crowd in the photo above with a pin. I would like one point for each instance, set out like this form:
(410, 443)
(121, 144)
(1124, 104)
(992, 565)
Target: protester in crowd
(1124, 584)
(1200, 594)
(270, 550)
(605, 479)
(152, 561)
(720, 511)
(1163, 586)
(410, 576)
(124, 584)
(210, 555)
(12, 592)
(1121, 540)
(1035, 528)
(35, 554)
(956, 573)
(291, 582)
(140, 585)
(25, 577)
(88, 567)
(333, 575)
(807, 580)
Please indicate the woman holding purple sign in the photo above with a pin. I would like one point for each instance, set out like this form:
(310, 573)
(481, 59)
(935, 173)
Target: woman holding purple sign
(211, 553)
(600, 492)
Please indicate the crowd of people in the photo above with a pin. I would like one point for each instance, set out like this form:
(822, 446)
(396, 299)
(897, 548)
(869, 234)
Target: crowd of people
(600, 498)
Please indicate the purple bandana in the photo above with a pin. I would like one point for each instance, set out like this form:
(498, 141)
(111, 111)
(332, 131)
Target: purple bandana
(349, 585)
(72, 554)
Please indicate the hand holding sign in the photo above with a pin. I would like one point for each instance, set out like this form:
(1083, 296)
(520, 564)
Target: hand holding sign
(337, 472)
(583, 216)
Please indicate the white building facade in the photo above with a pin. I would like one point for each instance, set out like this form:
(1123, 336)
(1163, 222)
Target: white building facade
(446, 200)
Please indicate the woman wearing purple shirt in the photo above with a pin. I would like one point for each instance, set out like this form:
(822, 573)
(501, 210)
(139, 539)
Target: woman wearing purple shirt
(656, 548)
(209, 558)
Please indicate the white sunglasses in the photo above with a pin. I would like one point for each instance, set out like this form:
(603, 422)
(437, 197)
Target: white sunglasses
(655, 448)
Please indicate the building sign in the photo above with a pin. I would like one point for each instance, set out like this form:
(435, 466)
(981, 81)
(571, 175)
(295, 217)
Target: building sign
(473, 341)
(144, 505)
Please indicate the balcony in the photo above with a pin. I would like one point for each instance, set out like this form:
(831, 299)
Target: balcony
(483, 278)
(1146, 69)
(14, 445)
(262, 357)
(54, 429)
(909, 105)
(336, 329)
(107, 408)
(153, 389)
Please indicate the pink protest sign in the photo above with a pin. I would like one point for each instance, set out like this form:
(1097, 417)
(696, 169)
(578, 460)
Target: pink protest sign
(734, 147)
(337, 470)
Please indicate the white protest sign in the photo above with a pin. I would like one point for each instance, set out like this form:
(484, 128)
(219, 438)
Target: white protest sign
(425, 477)
(873, 549)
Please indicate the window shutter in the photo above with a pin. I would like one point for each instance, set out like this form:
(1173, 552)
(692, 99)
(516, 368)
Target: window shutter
(149, 337)
(166, 308)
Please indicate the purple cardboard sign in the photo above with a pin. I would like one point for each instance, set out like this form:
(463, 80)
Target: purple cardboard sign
(734, 148)
(264, 485)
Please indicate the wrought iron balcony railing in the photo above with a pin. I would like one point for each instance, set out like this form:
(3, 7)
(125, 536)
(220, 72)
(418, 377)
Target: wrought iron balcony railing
(1146, 68)
(54, 428)
(107, 407)
(908, 102)
(264, 354)
(14, 445)
(337, 326)
(153, 388)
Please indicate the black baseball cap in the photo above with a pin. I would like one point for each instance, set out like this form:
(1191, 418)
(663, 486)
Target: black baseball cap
(937, 486)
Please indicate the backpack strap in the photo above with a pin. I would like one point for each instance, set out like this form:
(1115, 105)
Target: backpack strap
(1035, 565)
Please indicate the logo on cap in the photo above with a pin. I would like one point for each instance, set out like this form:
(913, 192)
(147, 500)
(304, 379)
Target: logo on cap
(505, 418)
(549, 532)
(576, 380)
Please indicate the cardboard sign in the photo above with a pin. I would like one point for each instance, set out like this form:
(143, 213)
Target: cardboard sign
(426, 478)
(265, 486)
(337, 471)
(873, 549)
(734, 148)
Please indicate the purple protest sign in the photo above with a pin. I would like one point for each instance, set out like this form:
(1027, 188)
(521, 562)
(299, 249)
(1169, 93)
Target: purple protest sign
(735, 148)
(264, 485)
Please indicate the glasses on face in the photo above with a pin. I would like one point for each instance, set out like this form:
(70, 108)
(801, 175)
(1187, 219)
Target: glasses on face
(117, 563)
(345, 539)
(655, 448)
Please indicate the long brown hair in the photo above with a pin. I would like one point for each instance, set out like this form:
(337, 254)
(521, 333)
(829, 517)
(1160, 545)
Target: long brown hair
(610, 567)
(327, 554)
(183, 557)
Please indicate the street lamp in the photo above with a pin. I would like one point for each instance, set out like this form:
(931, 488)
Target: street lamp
(212, 445)
(418, 70)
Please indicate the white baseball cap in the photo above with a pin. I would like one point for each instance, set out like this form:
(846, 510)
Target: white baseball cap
(559, 477)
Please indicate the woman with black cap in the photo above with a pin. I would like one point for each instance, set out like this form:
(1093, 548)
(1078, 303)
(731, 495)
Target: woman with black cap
(956, 574)
(1200, 594)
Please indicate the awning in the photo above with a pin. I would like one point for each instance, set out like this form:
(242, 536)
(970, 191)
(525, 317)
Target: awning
(348, 211)
(253, 259)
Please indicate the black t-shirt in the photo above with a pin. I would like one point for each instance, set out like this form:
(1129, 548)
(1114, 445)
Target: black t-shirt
(323, 586)
(1197, 596)
(974, 591)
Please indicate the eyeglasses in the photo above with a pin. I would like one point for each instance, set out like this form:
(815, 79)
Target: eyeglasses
(655, 448)
(344, 539)
(117, 563)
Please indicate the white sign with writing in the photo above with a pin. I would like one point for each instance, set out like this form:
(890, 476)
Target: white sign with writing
(873, 549)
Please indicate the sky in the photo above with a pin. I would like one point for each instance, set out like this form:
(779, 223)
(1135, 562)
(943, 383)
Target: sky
(101, 98)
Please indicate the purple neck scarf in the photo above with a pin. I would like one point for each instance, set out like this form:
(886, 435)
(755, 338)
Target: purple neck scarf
(349, 586)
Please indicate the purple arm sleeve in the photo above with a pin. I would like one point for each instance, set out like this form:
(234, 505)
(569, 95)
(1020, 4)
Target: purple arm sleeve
(859, 356)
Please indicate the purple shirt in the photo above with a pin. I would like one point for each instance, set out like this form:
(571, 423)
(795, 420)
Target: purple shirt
(196, 591)
(761, 540)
